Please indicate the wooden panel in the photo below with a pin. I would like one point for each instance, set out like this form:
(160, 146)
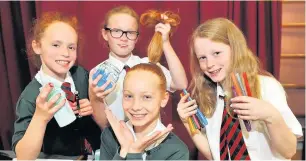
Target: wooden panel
(293, 40)
(297, 56)
(296, 101)
(293, 25)
(292, 71)
(294, 86)
(292, 67)
(293, 12)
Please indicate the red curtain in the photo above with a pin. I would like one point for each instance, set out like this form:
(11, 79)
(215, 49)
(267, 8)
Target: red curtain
(15, 71)
(260, 22)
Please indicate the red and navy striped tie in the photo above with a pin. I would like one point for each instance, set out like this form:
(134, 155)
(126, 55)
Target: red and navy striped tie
(231, 139)
(66, 87)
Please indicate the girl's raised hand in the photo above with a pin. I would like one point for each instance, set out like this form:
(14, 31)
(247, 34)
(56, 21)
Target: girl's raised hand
(45, 110)
(164, 29)
(123, 134)
(95, 92)
(186, 109)
(140, 145)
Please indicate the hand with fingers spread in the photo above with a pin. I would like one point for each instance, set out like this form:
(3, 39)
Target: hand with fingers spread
(141, 144)
(249, 108)
(126, 139)
(95, 92)
(186, 109)
(45, 110)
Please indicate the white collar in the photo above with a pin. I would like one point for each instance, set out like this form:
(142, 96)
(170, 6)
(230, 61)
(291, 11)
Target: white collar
(44, 78)
(159, 127)
(220, 91)
(119, 63)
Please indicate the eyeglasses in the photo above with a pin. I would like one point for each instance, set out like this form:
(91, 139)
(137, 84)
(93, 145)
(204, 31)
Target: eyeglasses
(117, 33)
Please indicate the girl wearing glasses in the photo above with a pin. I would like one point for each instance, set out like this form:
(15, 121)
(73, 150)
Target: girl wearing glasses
(120, 31)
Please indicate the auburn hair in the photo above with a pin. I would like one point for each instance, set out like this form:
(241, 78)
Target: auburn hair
(39, 27)
(150, 19)
(153, 69)
(224, 31)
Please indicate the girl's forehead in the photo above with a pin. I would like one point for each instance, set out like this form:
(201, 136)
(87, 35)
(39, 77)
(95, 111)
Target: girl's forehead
(122, 21)
(58, 26)
(145, 79)
(207, 44)
(120, 16)
(140, 75)
(60, 31)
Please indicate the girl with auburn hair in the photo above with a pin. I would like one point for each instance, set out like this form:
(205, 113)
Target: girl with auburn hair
(218, 48)
(143, 137)
(53, 47)
(120, 31)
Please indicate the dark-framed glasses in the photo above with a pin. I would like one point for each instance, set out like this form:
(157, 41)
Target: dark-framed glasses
(117, 33)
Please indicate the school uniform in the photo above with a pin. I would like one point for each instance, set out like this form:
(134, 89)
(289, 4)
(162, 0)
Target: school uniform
(168, 148)
(67, 140)
(257, 141)
(114, 99)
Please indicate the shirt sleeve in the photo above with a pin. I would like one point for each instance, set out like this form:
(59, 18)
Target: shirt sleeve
(166, 73)
(274, 93)
(24, 111)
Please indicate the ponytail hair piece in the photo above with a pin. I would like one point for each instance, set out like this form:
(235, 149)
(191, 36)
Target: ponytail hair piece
(152, 18)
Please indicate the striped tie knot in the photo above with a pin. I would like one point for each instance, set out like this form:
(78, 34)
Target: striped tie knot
(66, 87)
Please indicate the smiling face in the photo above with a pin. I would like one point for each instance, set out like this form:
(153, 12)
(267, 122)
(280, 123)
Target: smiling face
(57, 49)
(122, 47)
(214, 58)
(143, 98)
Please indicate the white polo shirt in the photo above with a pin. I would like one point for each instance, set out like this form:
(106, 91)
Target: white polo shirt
(114, 99)
(257, 140)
